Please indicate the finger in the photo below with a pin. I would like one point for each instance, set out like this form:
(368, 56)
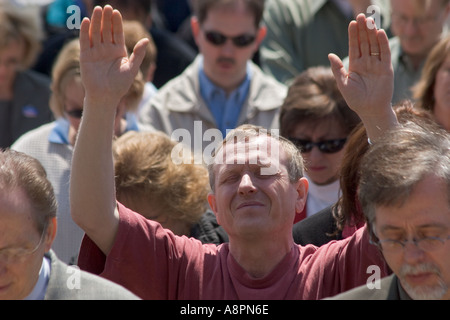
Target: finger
(138, 54)
(339, 72)
(385, 50)
(95, 26)
(353, 43)
(374, 47)
(85, 43)
(117, 28)
(362, 36)
(107, 25)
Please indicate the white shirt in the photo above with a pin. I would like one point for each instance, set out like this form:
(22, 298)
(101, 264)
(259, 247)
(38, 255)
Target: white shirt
(321, 197)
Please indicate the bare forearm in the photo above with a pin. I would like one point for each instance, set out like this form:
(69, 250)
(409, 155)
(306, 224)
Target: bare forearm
(377, 125)
(92, 193)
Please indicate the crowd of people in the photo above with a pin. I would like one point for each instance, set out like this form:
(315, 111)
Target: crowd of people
(229, 149)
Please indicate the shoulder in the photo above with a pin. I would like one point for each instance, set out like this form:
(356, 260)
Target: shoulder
(35, 136)
(34, 78)
(300, 9)
(365, 292)
(265, 85)
(317, 229)
(180, 89)
(70, 283)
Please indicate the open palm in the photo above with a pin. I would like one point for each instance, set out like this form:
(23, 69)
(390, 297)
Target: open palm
(106, 69)
(368, 85)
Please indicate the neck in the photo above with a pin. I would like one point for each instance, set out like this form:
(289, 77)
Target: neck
(260, 256)
(225, 83)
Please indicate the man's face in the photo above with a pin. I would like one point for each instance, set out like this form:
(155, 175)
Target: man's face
(426, 213)
(249, 201)
(418, 30)
(10, 59)
(225, 64)
(19, 265)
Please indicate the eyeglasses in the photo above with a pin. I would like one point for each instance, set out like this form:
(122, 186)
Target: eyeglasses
(76, 113)
(13, 255)
(218, 39)
(427, 244)
(327, 146)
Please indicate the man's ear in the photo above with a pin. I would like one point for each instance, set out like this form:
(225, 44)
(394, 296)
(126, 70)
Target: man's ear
(261, 34)
(213, 205)
(302, 194)
(50, 233)
(195, 27)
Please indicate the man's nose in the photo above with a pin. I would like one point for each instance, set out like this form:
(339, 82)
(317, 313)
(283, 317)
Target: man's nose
(246, 185)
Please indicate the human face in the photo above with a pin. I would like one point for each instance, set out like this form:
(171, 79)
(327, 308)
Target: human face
(442, 94)
(73, 106)
(10, 59)
(321, 168)
(225, 65)
(426, 213)
(418, 30)
(73, 101)
(18, 275)
(250, 202)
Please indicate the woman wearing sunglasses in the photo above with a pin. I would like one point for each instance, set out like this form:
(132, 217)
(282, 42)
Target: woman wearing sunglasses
(52, 144)
(316, 118)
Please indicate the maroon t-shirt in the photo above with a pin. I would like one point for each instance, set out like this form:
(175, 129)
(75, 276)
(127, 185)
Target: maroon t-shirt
(154, 263)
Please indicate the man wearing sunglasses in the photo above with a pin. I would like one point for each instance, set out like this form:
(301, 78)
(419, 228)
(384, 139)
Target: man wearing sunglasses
(222, 88)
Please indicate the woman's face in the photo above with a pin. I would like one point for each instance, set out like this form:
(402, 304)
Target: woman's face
(321, 167)
(441, 108)
(73, 101)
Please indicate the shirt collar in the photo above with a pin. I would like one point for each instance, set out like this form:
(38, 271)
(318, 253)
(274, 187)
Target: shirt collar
(208, 89)
(40, 288)
(60, 132)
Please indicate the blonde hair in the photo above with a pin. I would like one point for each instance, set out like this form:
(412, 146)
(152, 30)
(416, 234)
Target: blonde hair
(67, 67)
(21, 24)
(145, 171)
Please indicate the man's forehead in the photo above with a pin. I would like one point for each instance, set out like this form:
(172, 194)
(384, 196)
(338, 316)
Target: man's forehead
(262, 150)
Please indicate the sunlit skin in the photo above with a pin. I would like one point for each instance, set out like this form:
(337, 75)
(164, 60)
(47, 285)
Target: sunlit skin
(426, 213)
(18, 278)
(256, 209)
(249, 202)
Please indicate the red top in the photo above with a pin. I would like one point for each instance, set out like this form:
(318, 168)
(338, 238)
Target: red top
(155, 264)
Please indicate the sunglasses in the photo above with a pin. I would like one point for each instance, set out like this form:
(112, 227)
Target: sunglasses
(76, 113)
(219, 39)
(328, 146)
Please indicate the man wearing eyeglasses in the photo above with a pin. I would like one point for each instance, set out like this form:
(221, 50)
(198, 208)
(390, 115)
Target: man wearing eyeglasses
(29, 269)
(405, 194)
(222, 88)
(417, 25)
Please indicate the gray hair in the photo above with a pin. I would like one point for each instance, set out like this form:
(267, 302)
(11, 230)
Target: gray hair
(398, 161)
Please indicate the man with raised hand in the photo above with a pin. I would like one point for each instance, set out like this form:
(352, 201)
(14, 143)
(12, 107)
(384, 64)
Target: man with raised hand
(258, 187)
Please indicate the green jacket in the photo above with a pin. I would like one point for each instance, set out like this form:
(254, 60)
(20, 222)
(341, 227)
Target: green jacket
(301, 34)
